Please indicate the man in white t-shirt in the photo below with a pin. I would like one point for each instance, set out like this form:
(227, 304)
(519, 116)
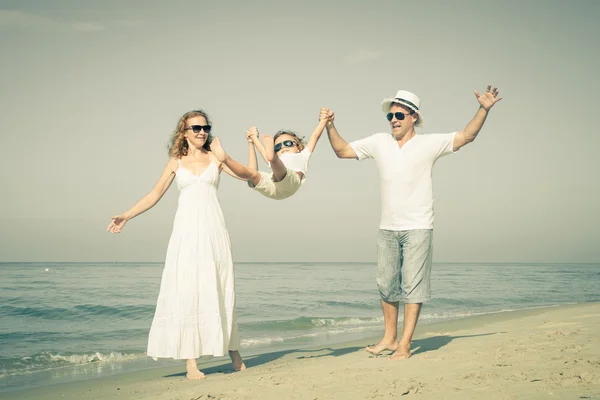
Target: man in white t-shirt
(405, 161)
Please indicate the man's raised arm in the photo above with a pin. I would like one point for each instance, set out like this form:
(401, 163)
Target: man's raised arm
(486, 102)
(341, 148)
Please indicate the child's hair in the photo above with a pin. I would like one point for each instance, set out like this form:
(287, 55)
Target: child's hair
(299, 139)
(178, 146)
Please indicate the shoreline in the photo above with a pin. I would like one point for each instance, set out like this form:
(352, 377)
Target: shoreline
(432, 342)
(69, 374)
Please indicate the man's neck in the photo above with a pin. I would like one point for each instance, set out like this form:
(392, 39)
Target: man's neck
(407, 136)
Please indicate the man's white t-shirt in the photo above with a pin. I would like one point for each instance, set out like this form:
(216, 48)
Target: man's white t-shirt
(406, 176)
(297, 161)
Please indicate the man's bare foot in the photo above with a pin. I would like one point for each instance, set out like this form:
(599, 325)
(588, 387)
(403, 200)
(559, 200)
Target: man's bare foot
(269, 147)
(382, 346)
(218, 150)
(193, 373)
(401, 353)
(236, 360)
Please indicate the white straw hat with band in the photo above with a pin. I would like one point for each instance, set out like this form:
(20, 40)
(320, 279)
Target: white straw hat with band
(406, 99)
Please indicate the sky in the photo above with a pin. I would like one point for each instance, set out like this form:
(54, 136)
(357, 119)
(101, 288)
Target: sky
(91, 90)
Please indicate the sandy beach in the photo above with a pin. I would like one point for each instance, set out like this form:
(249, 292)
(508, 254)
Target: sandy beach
(529, 354)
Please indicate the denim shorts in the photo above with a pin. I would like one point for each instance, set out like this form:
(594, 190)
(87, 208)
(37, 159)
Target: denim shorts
(404, 265)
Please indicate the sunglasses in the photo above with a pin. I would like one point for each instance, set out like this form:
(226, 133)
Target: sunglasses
(198, 128)
(286, 143)
(399, 116)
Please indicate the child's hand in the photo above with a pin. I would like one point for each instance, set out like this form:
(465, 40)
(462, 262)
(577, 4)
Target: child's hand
(252, 134)
(327, 114)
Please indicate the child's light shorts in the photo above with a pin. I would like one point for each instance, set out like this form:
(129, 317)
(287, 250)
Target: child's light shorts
(278, 190)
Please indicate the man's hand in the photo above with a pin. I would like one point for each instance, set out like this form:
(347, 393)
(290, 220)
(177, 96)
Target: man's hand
(489, 98)
(252, 135)
(327, 114)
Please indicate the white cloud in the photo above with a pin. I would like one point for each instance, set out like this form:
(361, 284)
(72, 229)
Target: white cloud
(132, 23)
(19, 19)
(11, 19)
(362, 56)
(87, 26)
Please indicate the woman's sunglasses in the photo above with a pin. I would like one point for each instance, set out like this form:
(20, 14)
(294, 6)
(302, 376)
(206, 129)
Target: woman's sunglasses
(399, 116)
(198, 128)
(286, 143)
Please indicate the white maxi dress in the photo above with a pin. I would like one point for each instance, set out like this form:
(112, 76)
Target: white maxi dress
(195, 312)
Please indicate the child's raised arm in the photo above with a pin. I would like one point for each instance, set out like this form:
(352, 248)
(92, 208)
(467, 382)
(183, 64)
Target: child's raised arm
(253, 134)
(316, 135)
(252, 161)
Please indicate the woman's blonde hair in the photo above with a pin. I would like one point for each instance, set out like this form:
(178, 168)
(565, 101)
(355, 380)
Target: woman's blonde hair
(299, 140)
(178, 146)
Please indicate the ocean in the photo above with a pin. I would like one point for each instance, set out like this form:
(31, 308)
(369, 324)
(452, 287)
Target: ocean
(61, 322)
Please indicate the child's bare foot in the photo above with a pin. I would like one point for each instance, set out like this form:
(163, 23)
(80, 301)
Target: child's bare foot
(269, 147)
(193, 373)
(236, 360)
(218, 150)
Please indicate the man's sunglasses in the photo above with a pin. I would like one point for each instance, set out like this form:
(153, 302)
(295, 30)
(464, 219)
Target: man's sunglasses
(399, 116)
(286, 143)
(198, 128)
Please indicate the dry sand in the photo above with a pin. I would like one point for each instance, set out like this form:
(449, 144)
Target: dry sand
(546, 353)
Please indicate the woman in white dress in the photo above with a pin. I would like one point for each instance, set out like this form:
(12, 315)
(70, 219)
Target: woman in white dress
(195, 313)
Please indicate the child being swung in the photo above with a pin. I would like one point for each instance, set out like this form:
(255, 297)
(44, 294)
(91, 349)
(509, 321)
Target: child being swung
(286, 154)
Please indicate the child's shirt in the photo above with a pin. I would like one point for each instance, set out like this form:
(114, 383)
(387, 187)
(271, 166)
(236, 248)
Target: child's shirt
(297, 161)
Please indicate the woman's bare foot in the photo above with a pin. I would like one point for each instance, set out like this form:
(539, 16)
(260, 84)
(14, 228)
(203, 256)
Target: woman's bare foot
(383, 345)
(269, 147)
(401, 353)
(193, 373)
(217, 149)
(236, 360)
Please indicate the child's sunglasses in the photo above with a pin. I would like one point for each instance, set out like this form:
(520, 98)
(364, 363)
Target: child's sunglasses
(399, 116)
(198, 128)
(286, 143)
